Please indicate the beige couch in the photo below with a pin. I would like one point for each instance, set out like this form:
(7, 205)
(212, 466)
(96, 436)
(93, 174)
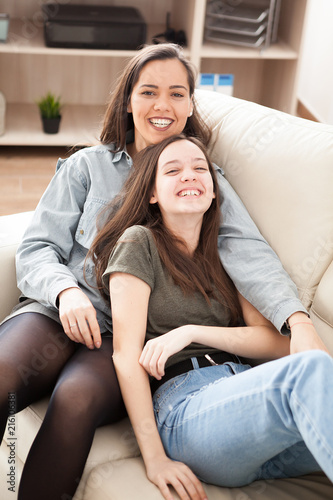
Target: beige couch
(282, 168)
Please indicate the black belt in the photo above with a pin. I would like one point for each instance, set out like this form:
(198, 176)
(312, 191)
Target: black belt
(217, 358)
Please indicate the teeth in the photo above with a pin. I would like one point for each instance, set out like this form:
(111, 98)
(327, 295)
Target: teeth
(160, 122)
(190, 192)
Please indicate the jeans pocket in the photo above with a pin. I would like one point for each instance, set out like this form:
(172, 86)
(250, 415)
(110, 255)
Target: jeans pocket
(168, 396)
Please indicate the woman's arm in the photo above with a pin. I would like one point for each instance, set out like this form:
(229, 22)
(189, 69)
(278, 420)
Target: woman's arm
(129, 304)
(304, 336)
(42, 259)
(245, 253)
(43, 254)
(251, 263)
(258, 340)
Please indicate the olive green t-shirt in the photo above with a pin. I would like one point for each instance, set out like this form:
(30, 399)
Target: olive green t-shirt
(168, 308)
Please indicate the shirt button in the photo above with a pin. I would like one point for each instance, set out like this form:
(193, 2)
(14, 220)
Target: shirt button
(81, 231)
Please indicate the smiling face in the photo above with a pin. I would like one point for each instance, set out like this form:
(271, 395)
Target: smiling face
(183, 184)
(160, 102)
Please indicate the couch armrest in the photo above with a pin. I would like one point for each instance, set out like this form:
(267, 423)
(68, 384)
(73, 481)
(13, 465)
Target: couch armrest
(12, 228)
(322, 308)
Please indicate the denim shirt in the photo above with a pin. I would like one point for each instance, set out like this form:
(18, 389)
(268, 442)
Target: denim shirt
(48, 261)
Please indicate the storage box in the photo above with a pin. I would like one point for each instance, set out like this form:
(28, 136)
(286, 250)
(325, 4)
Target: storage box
(224, 84)
(93, 26)
(4, 23)
(252, 23)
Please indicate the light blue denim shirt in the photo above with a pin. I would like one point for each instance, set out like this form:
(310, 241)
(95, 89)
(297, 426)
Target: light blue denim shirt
(48, 262)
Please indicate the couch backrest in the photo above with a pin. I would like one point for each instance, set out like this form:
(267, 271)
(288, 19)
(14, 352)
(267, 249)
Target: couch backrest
(282, 168)
(11, 231)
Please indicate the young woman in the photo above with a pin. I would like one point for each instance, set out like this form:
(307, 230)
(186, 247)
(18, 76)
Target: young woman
(59, 312)
(225, 422)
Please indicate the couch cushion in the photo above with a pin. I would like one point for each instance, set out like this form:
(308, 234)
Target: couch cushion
(126, 480)
(281, 167)
(322, 304)
(111, 442)
(322, 311)
(12, 228)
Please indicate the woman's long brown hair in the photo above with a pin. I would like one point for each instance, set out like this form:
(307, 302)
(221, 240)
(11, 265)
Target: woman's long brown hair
(117, 120)
(201, 272)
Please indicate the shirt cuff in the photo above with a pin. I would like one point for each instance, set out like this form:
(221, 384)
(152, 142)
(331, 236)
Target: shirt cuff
(54, 293)
(284, 312)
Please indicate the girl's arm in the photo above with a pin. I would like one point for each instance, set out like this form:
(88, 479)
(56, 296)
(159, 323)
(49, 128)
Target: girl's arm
(258, 340)
(129, 304)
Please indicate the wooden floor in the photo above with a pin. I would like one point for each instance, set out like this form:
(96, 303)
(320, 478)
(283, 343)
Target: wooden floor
(24, 174)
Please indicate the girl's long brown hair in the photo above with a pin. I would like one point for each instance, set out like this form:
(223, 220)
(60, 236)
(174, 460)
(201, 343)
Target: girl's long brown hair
(117, 120)
(201, 272)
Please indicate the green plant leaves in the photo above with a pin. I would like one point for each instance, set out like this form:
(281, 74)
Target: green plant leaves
(49, 106)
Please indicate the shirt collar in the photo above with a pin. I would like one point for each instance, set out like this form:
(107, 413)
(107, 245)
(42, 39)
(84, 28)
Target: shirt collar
(119, 155)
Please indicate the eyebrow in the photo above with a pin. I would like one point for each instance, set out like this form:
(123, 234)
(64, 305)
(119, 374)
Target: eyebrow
(156, 87)
(178, 162)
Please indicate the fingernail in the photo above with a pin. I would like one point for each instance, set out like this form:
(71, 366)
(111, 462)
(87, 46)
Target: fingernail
(98, 345)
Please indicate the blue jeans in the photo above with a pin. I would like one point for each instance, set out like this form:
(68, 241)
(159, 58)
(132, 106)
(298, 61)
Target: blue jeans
(233, 424)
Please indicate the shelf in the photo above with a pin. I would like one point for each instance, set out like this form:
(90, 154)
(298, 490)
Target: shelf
(278, 50)
(23, 38)
(80, 125)
(84, 77)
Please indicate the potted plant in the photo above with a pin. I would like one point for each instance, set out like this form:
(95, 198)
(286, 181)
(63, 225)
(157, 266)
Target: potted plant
(49, 107)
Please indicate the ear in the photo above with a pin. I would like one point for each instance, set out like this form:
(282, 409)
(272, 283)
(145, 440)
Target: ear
(129, 107)
(190, 111)
(153, 200)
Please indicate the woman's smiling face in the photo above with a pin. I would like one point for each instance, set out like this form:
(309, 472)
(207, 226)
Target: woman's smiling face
(160, 102)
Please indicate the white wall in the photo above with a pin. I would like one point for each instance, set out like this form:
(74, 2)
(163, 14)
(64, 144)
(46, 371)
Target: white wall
(315, 88)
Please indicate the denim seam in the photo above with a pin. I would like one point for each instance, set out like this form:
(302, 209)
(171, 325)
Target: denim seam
(313, 427)
(170, 389)
(229, 400)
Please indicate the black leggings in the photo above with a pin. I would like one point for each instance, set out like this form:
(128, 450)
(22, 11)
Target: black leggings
(37, 359)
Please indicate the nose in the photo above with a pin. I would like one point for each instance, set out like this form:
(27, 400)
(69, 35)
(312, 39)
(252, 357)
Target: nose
(189, 175)
(162, 104)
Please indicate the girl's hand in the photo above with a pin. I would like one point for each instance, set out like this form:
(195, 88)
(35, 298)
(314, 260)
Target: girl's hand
(78, 318)
(164, 472)
(157, 351)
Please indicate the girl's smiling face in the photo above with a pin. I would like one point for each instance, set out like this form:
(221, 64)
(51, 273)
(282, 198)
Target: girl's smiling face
(160, 102)
(183, 184)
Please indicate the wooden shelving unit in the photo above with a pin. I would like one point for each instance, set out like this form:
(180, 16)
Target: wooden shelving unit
(84, 78)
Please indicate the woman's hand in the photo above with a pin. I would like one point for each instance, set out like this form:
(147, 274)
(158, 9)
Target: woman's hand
(304, 338)
(157, 351)
(78, 318)
(164, 472)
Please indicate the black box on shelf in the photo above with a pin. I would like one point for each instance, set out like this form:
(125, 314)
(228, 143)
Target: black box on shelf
(93, 26)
